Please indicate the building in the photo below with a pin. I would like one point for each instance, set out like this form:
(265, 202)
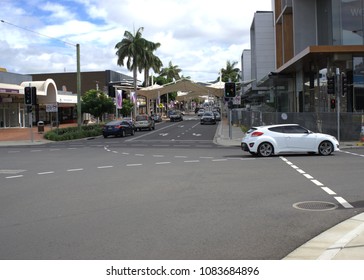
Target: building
(318, 77)
(100, 80)
(15, 113)
(260, 59)
(316, 39)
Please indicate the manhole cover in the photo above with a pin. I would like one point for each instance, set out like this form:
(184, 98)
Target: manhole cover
(315, 205)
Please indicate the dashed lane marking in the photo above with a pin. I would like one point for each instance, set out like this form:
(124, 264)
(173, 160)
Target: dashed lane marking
(45, 173)
(341, 200)
(74, 169)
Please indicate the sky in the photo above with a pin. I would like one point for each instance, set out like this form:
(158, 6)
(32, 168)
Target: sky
(198, 36)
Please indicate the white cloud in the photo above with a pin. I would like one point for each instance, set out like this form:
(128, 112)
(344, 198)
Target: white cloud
(198, 36)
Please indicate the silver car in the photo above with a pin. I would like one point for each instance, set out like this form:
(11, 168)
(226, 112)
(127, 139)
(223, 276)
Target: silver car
(144, 122)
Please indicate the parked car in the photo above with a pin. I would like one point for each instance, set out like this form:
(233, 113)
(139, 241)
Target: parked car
(175, 116)
(208, 117)
(287, 138)
(200, 112)
(217, 116)
(157, 118)
(118, 128)
(144, 122)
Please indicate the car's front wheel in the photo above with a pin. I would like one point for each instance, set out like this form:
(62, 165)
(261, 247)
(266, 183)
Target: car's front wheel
(325, 148)
(265, 149)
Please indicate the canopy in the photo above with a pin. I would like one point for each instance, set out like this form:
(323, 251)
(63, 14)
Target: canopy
(184, 85)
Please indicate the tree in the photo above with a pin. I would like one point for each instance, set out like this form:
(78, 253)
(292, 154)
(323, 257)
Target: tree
(138, 53)
(127, 108)
(97, 103)
(230, 73)
(151, 62)
(171, 72)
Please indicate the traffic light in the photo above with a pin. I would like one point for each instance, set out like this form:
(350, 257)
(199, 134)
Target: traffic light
(28, 95)
(331, 85)
(332, 103)
(34, 95)
(111, 91)
(230, 90)
(344, 84)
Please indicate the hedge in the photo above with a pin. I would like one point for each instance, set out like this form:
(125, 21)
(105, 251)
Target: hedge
(71, 133)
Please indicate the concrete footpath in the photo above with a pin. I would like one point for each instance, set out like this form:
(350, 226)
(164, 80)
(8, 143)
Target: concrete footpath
(345, 241)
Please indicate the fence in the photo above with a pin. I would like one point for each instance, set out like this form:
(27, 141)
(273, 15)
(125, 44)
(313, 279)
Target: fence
(350, 123)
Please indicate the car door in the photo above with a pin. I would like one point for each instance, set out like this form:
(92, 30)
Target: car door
(299, 139)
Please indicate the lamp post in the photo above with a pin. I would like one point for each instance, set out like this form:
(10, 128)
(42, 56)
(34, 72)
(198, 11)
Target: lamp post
(79, 114)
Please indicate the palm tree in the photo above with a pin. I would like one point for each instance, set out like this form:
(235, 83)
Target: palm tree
(171, 72)
(151, 62)
(230, 73)
(138, 51)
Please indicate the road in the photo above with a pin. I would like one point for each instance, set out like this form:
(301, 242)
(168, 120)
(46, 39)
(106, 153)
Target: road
(170, 193)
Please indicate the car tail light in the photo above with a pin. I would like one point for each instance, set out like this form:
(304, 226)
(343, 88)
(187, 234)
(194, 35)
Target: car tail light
(257, 133)
(117, 126)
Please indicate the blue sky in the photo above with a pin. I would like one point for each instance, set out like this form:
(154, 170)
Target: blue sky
(197, 35)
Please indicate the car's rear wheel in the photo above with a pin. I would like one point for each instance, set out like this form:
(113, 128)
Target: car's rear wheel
(265, 149)
(325, 148)
(105, 136)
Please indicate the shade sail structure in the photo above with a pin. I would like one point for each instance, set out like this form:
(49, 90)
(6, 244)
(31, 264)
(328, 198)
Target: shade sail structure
(185, 85)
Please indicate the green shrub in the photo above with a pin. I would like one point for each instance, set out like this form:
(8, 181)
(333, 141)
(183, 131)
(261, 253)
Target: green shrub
(71, 133)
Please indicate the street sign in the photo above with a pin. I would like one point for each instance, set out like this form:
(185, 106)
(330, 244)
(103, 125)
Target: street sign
(50, 108)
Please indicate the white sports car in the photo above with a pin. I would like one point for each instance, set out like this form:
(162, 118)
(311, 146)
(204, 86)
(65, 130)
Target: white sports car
(287, 138)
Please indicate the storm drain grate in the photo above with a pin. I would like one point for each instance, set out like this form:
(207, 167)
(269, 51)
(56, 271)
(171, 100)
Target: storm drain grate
(315, 205)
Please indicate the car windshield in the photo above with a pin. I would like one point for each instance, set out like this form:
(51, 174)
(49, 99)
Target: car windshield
(113, 123)
(141, 118)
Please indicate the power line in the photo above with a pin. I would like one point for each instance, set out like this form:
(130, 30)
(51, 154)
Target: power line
(35, 32)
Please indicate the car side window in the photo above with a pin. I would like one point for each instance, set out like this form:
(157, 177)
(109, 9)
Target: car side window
(277, 129)
(295, 129)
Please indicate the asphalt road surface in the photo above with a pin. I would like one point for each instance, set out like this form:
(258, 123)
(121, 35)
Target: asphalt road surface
(169, 194)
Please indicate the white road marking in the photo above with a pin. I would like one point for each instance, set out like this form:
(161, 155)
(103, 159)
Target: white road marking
(15, 176)
(74, 169)
(134, 164)
(191, 161)
(328, 190)
(45, 173)
(308, 176)
(163, 162)
(105, 166)
(316, 182)
(343, 202)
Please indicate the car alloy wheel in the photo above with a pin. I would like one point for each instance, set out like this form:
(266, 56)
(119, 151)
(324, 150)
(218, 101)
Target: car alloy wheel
(265, 149)
(325, 148)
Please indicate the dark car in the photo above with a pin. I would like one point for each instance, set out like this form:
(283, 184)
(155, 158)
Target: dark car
(175, 116)
(157, 118)
(208, 118)
(118, 128)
